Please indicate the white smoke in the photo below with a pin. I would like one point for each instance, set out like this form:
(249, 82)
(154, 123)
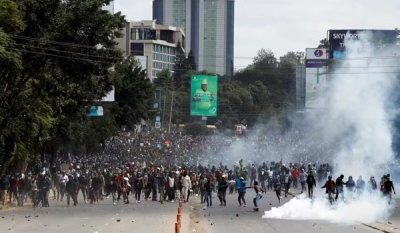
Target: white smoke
(367, 208)
(357, 115)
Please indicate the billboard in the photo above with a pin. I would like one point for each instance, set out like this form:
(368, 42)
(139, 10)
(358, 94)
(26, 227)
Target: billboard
(203, 95)
(377, 38)
(315, 77)
(96, 111)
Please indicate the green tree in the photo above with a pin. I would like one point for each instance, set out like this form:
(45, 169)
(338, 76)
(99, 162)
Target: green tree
(264, 60)
(10, 23)
(134, 94)
(67, 49)
(165, 80)
(323, 44)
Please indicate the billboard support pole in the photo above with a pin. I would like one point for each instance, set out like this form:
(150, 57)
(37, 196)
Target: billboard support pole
(170, 113)
(163, 112)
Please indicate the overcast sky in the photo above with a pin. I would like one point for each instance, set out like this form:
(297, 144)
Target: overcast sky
(289, 25)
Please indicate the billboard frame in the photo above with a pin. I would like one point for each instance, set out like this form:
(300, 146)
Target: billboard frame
(203, 102)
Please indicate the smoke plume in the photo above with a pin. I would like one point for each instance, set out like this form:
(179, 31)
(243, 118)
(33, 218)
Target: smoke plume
(357, 119)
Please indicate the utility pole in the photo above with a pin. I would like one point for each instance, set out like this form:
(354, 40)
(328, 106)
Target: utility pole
(170, 113)
(163, 112)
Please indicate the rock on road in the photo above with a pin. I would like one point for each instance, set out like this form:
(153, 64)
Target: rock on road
(149, 216)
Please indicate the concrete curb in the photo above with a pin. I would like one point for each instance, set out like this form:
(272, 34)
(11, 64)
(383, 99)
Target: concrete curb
(381, 227)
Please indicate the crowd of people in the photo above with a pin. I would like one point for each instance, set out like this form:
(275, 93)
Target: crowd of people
(164, 167)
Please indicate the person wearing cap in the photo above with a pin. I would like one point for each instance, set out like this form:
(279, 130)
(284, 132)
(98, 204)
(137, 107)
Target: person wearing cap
(242, 192)
(203, 97)
(222, 186)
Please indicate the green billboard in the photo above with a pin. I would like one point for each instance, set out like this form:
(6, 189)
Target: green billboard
(203, 95)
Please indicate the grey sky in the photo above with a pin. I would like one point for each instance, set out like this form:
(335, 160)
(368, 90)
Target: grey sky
(289, 25)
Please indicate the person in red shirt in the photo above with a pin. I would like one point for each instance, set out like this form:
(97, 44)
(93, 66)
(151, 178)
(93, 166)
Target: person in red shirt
(330, 188)
(295, 176)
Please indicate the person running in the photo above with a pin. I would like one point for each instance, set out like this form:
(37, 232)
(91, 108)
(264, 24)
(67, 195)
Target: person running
(372, 185)
(259, 192)
(242, 192)
(311, 184)
(388, 187)
(303, 179)
(339, 186)
(222, 186)
(209, 189)
(329, 188)
(278, 187)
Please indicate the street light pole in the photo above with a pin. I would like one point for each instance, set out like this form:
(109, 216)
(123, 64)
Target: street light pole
(170, 113)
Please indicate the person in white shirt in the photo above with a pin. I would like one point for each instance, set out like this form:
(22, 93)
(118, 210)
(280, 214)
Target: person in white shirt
(186, 184)
(171, 188)
(63, 183)
(269, 178)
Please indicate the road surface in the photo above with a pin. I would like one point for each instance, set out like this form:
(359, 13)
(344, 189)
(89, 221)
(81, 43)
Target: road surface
(151, 217)
(233, 219)
(148, 216)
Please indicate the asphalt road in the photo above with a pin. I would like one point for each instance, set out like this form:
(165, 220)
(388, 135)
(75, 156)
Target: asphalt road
(149, 216)
(233, 219)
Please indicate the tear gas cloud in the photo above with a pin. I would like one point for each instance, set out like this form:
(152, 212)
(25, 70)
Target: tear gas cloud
(357, 120)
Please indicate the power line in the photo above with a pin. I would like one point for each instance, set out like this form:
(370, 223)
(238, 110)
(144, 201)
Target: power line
(69, 52)
(139, 51)
(54, 55)
(113, 63)
(273, 73)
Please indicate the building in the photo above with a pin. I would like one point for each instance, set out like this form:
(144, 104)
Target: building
(209, 27)
(155, 43)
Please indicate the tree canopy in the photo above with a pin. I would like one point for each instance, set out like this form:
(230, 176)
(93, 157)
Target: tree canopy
(57, 59)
